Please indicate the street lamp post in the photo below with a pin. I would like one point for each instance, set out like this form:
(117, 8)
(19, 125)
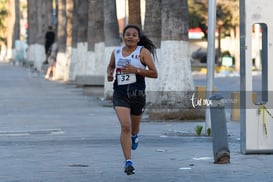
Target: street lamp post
(210, 56)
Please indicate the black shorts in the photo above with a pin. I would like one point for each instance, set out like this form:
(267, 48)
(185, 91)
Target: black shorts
(135, 102)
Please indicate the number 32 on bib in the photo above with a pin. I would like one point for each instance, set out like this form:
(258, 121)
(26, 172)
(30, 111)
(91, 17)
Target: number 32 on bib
(124, 79)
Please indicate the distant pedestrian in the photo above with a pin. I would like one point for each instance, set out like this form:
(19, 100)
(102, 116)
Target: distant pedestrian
(53, 50)
(49, 39)
(131, 64)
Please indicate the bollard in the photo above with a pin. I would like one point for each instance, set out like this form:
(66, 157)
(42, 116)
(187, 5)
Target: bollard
(221, 150)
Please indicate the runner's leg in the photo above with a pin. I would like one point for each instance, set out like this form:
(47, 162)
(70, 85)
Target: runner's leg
(123, 114)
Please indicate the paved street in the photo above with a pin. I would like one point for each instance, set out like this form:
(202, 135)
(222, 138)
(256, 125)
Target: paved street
(53, 132)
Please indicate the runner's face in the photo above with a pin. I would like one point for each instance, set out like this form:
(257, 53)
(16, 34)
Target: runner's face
(131, 37)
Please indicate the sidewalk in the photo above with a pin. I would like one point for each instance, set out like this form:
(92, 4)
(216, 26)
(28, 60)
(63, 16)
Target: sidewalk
(52, 132)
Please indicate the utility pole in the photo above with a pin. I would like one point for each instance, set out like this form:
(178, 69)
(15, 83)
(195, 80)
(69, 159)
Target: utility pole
(210, 56)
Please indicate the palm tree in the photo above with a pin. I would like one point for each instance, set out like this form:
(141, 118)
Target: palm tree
(3, 29)
(134, 12)
(152, 28)
(99, 37)
(70, 7)
(95, 40)
(111, 31)
(152, 23)
(61, 38)
(72, 40)
(91, 37)
(82, 10)
(32, 28)
(39, 17)
(112, 38)
(176, 83)
(13, 30)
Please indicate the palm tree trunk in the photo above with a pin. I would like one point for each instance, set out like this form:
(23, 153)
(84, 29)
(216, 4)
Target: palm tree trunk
(32, 28)
(176, 83)
(134, 12)
(69, 39)
(175, 20)
(152, 28)
(61, 38)
(82, 31)
(111, 29)
(91, 34)
(74, 42)
(39, 18)
(13, 30)
(99, 38)
(112, 39)
(152, 23)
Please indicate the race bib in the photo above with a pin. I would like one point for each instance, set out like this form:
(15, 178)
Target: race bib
(124, 79)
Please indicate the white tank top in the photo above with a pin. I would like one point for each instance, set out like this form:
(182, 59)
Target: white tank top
(133, 58)
(120, 61)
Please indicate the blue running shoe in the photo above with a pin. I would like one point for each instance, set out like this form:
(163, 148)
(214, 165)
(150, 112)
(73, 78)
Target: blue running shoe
(134, 142)
(129, 168)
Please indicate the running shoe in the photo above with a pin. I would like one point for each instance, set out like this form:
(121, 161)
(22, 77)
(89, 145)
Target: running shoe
(129, 168)
(134, 142)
